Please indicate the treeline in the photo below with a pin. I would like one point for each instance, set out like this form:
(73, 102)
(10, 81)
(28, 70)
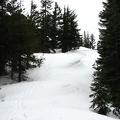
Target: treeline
(58, 29)
(106, 84)
(43, 30)
(88, 41)
(18, 40)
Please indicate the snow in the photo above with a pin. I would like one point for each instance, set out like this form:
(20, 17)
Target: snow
(58, 90)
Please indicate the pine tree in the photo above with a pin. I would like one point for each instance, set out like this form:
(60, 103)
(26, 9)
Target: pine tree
(92, 41)
(108, 64)
(45, 24)
(100, 102)
(18, 42)
(70, 36)
(55, 26)
(34, 20)
(7, 10)
(3, 31)
(115, 57)
(64, 32)
(75, 37)
(34, 14)
(86, 39)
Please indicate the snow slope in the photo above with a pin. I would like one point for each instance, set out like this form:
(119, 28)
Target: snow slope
(58, 90)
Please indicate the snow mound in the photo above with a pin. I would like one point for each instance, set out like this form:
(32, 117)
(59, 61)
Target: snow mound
(58, 90)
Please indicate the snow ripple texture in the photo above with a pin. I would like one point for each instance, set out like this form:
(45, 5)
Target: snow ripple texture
(58, 90)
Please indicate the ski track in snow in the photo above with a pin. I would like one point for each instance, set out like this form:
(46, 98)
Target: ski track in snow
(59, 89)
(16, 106)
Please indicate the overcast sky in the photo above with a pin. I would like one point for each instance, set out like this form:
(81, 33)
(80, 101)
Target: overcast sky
(87, 11)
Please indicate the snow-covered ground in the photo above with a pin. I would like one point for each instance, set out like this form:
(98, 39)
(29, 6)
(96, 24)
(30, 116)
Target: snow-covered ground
(58, 90)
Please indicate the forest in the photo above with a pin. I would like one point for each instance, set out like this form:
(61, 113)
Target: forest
(48, 28)
(42, 31)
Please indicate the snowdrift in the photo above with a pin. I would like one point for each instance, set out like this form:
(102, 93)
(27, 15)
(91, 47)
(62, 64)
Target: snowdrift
(58, 90)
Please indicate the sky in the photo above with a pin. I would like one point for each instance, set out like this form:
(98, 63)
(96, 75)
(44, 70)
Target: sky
(87, 11)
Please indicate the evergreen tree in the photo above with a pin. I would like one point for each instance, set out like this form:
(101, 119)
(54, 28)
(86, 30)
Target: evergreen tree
(55, 26)
(81, 40)
(34, 19)
(92, 41)
(45, 25)
(108, 65)
(100, 102)
(34, 14)
(27, 41)
(7, 9)
(3, 31)
(70, 37)
(19, 40)
(64, 32)
(75, 37)
(86, 40)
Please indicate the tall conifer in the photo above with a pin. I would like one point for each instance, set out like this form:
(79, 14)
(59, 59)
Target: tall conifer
(107, 74)
(45, 24)
(92, 41)
(55, 26)
(70, 36)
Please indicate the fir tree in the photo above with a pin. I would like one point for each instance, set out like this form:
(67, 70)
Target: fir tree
(92, 41)
(45, 25)
(108, 64)
(34, 20)
(3, 31)
(75, 37)
(55, 26)
(70, 36)
(86, 39)
(100, 102)
(19, 41)
(34, 14)
(64, 32)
